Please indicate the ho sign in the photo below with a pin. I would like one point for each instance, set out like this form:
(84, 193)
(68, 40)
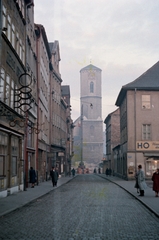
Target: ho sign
(147, 145)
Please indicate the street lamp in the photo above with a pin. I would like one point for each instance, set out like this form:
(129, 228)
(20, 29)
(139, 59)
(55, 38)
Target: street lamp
(82, 135)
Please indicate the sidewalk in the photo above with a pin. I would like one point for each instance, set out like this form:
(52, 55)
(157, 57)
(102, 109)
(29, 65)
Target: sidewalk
(19, 199)
(149, 200)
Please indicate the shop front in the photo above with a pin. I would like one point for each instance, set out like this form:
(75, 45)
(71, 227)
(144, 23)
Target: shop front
(11, 164)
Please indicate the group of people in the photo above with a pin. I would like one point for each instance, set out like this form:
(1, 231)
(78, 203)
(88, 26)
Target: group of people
(141, 184)
(108, 172)
(140, 179)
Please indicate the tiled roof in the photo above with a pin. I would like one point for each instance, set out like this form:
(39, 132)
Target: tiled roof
(149, 80)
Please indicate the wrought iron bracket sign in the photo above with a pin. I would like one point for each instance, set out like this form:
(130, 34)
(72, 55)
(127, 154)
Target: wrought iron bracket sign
(23, 96)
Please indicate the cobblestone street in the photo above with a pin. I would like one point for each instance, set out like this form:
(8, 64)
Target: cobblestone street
(88, 207)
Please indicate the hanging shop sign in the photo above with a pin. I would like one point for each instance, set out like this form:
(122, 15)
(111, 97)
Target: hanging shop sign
(23, 96)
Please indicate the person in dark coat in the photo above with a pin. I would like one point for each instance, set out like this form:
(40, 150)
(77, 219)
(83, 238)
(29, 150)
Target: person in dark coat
(54, 177)
(155, 179)
(136, 183)
(73, 172)
(32, 176)
(107, 172)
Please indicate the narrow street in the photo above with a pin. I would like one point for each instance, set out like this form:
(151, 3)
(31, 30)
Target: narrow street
(88, 207)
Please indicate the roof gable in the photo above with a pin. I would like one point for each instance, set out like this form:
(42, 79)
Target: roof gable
(90, 67)
(149, 80)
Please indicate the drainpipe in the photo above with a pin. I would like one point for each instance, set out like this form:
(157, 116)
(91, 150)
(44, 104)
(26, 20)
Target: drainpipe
(38, 99)
(135, 129)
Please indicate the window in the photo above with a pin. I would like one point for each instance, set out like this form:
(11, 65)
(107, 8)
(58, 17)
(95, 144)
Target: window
(146, 132)
(17, 43)
(13, 35)
(2, 77)
(146, 102)
(7, 90)
(4, 25)
(9, 28)
(14, 145)
(91, 87)
(14, 166)
(3, 152)
(12, 94)
(20, 49)
(2, 170)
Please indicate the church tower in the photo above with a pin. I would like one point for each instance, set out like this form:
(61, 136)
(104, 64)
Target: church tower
(91, 116)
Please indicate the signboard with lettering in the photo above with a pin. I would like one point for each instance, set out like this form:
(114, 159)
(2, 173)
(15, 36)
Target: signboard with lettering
(147, 145)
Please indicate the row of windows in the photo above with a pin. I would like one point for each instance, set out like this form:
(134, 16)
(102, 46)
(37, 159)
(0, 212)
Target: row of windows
(13, 35)
(7, 93)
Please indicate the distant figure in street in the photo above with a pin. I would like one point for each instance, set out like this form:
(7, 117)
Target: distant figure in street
(155, 179)
(99, 170)
(107, 172)
(73, 172)
(141, 180)
(136, 183)
(32, 176)
(54, 176)
(110, 172)
(95, 170)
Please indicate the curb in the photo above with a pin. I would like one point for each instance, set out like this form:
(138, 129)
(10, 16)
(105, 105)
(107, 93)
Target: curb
(149, 208)
(33, 200)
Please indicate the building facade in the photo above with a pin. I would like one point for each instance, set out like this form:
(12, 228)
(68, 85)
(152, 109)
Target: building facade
(139, 123)
(15, 94)
(112, 132)
(33, 113)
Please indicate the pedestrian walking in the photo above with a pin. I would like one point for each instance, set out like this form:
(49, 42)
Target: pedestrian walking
(32, 176)
(53, 175)
(107, 172)
(99, 170)
(141, 180)
(95, 170)
(73, 172)
(155, 179)
(136, 183)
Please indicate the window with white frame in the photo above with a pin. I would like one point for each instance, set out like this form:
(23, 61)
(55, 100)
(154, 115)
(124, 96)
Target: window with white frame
(20, 49)
(7, 90)
(12, 94)
(146, 132)
(9, 28)
(13, 35)
(146, 102)
(4, 14)
(2, 78)
(17, 43)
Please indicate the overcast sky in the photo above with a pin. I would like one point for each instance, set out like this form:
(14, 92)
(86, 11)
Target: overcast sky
(121, 37)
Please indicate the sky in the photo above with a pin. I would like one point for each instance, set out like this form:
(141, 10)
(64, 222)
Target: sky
(121, 37)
